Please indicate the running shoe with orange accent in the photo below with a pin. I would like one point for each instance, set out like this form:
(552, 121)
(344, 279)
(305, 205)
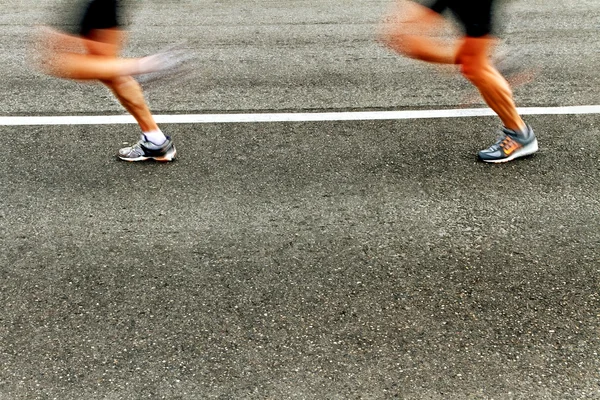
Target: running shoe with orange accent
(510, 146)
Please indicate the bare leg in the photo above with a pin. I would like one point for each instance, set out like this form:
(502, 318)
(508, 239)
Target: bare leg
(129, 93)
(74, 57)
(410, 30)
(106, 44)
(96, 57)
(473, 56)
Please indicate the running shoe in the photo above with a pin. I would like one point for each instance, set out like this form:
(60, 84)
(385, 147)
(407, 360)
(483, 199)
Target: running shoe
(511, 145)
(145, 150)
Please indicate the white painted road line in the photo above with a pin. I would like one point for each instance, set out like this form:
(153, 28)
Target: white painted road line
(288, 117)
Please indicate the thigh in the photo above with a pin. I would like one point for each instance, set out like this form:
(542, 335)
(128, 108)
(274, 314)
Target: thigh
(474, 51)
(104, 42)
(411, 17)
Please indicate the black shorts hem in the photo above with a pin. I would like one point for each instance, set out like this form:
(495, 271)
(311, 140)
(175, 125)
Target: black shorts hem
(475, 16)
(99, 14)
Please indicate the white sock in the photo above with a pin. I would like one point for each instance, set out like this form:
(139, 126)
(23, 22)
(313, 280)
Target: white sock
(156, 137)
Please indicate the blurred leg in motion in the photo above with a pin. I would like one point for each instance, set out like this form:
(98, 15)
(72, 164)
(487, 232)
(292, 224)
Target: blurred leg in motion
(93, 54)
(411, 30)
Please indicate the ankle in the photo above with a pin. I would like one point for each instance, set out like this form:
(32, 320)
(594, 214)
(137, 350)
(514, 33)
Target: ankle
(155, 136)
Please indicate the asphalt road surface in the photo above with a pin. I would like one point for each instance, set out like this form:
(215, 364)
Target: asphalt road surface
(305, 260)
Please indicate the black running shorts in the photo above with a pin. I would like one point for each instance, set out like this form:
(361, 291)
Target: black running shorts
(474, 15)
(99, 14)
(80, 17)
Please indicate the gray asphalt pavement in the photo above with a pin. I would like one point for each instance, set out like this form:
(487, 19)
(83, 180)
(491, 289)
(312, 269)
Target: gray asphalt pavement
(322, 260)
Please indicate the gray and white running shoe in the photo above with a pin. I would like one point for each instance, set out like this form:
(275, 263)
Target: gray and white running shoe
(145, 150)
(511, 145)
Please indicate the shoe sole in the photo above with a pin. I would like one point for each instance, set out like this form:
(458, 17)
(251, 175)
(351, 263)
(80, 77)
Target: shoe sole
(522, 152)
(166, 158)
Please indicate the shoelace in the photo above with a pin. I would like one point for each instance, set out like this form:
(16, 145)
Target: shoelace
(506, 142)
(136, 149)
(509, 143)
(498, 144)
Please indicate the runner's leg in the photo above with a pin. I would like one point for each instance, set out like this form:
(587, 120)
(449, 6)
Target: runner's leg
(68, 56)
(474, 60)
(410, 29)
(105, 44)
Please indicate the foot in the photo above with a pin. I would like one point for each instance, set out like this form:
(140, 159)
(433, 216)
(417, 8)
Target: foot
(170, 63)
(510, 146)
(144, 150)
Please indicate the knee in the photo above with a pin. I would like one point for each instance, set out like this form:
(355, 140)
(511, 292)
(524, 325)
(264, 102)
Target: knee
(117, 84)
(400, 42)
(394, 35)
(473, 70)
